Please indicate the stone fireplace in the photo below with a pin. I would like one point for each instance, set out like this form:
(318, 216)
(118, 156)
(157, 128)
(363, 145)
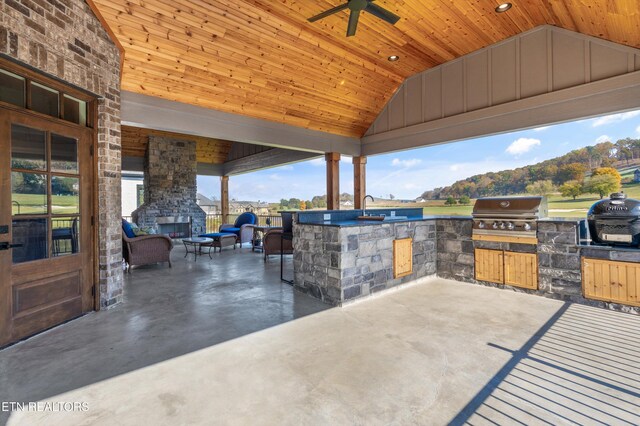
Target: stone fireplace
(170, 189)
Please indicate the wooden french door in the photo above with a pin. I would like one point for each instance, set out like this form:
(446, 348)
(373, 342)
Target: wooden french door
(46, 243)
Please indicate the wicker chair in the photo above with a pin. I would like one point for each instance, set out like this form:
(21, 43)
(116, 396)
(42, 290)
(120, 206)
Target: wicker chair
(271, 243)
(146, 249)
(243, 227)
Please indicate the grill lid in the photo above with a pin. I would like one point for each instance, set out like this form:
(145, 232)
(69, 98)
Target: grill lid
(510, 207)
(617, 205)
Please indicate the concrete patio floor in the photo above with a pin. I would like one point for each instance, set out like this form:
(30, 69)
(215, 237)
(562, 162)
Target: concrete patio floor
(215, 343)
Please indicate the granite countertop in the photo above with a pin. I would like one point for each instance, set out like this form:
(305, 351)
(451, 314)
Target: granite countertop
(354, 222)
(561, 219)
(610, 248)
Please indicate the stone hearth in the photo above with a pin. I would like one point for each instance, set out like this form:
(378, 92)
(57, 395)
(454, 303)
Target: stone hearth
(170, 183)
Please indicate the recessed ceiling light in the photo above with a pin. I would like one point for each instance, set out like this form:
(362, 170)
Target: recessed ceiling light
(393, 58)
(503, 7)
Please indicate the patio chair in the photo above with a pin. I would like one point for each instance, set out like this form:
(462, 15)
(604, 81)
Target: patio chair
(145, 249)
(272, 243)
(242, 227)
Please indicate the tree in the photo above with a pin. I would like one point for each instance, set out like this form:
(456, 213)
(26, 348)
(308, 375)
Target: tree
(303, 205)
(294, 203)
(572, 171)
(608, 171)
(450, 201)
(391, 196)
(571, 188)
(319, 201)
(541, 187)
(345, 196)
(284, 204)
(464, 200)
(602, 185)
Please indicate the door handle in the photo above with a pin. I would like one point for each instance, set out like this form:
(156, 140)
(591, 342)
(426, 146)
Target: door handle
(6, 245)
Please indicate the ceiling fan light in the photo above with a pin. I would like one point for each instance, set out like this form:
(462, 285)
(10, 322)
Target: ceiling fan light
(503, 7)
(393, 58)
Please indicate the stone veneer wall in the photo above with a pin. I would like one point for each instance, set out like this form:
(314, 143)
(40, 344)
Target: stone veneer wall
(560, 267)
(559, 273)
(455, 249)
(339, 264)
(64, 39)
(170, 187)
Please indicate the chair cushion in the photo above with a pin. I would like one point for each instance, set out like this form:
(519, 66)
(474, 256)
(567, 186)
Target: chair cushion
(231, 230)
(244, 219)
(216, 235)
(127, 229)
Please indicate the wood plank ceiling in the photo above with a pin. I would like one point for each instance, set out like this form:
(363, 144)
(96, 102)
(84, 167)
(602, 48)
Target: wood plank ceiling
(261, 58)
(208, 150)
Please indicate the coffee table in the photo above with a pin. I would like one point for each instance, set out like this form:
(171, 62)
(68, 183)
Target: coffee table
(196, 243)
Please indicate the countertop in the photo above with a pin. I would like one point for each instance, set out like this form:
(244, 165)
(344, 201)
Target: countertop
(610, 248)
(354, 222)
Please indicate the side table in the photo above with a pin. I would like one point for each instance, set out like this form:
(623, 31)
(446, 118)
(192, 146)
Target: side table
(196, 243)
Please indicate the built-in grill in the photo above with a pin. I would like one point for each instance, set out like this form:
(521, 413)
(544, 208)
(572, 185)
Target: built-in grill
(508, 216)
(615, 221)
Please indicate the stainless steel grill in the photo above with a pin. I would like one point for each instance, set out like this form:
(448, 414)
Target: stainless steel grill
(508, 216)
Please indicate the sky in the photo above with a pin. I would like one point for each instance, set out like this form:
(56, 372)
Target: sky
(407, 174)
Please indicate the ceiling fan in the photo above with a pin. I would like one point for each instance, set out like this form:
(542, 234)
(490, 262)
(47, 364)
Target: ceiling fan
(357, 6)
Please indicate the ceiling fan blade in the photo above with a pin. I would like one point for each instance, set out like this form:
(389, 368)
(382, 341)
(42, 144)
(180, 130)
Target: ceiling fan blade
(382, 13)
(328, 12)
(353, 23)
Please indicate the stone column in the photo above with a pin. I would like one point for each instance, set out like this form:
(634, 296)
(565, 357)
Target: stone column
(224, 198)
(333, 180)
(359, 181)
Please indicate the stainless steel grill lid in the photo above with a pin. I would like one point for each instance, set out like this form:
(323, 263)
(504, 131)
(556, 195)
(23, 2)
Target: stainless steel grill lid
(508, 216)
(503, 207)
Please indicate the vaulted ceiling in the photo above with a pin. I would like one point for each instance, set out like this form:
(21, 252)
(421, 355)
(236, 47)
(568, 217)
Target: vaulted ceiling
(261, 58)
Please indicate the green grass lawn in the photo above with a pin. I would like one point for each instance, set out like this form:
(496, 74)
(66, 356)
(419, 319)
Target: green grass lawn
(36, 204)
(448, 210)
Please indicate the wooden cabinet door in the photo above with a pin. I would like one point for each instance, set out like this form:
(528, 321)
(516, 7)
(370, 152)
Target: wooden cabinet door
(402, 257)
(489, 265)
(521, 270)
(611, 281)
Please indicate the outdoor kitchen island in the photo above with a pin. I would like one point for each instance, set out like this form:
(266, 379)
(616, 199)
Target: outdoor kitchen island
(343, 259)
(339, 258)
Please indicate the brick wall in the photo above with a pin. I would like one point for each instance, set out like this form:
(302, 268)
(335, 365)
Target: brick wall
(64, 39)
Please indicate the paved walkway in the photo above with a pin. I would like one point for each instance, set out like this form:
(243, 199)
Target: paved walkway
(434, 353)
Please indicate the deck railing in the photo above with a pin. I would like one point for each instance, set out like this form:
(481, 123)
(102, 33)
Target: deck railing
(214, 220)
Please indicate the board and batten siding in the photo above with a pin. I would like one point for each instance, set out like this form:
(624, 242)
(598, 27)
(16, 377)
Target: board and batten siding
(538, 62)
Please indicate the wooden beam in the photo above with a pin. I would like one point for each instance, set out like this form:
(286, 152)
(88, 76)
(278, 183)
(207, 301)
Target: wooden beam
(333, 180)
(359, 181)
(266, 159)
(147, 111)
(224, 198)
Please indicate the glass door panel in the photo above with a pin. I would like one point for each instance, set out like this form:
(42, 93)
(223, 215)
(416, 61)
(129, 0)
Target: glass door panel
(31, 239)
(28, 148)
(45, 194)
